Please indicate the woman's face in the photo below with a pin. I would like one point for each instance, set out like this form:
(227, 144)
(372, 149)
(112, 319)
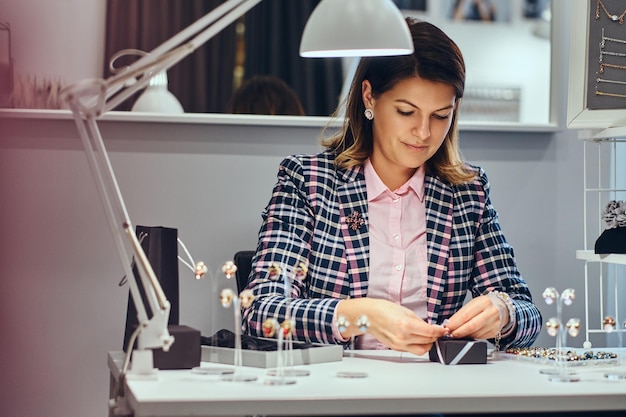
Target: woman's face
(410, 123)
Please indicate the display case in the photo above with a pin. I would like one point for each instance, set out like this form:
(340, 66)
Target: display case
(605, 274)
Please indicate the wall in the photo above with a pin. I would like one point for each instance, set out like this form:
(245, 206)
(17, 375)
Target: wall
(62, 310)
(60, 38)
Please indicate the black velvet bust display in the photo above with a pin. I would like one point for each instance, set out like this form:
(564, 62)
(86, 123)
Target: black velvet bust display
(611, 241)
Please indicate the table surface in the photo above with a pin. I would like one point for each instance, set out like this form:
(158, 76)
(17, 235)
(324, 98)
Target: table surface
(397, 383)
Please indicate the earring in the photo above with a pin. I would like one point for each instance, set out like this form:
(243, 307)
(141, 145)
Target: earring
(226, 297)
(342, 324)
(573, 327)
(369, 114)
(552, 326)
(568, 296)
(549, 295)
(363, 323)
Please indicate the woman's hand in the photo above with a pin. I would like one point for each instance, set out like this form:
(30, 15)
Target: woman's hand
(477, 319)
(392, 324)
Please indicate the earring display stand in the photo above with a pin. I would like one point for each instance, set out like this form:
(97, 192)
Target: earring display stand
(201, 271)
(619, 374)
(290, 370)
(229, 298)
(560, 372)
(343, 324)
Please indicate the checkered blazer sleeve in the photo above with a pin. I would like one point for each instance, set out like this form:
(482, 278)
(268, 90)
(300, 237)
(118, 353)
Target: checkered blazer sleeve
(300, 226)
(495, 268)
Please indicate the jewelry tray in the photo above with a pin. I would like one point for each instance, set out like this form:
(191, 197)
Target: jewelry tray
(261, 352)
(570, 363)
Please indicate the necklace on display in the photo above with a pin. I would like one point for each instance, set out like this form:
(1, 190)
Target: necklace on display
(603, 93)
(613, 17)
(602, 53)
(606, 38)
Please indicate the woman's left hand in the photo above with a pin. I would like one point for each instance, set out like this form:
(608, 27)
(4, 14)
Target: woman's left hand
(477, 319)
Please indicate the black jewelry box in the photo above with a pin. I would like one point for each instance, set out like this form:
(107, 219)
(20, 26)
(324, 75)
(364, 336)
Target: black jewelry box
(450, 351)
(184, 353)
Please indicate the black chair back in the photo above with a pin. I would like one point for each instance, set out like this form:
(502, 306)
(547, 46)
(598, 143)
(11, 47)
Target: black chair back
(243, 260)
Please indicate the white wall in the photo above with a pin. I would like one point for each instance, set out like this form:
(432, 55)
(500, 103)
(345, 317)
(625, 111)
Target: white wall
(58, 38)
(62, 310)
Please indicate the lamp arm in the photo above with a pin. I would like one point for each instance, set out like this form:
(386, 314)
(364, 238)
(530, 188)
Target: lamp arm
(88, 100)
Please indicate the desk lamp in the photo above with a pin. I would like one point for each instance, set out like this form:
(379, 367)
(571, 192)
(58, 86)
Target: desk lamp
(356, 27)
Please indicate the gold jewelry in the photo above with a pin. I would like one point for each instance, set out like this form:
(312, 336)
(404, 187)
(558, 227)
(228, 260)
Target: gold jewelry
(552, 326)
(608, 324)
(229, 269)
(301, 270)
(274, 270)
(269, 327)
(287, 326)
(200, 270)
(245, 298)
(613, 17)
(573, 327)
(603, 93)
(604, 64)
(226, 297)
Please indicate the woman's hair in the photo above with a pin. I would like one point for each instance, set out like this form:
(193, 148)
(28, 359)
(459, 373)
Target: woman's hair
(265, 94)
(436, 58)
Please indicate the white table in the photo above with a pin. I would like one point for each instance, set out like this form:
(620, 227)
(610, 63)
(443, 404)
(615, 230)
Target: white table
(396, 384)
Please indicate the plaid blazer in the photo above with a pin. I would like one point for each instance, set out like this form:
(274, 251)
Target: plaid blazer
(306, 223)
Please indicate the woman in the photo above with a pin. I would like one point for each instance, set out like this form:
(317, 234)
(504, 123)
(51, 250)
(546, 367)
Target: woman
(388, 227)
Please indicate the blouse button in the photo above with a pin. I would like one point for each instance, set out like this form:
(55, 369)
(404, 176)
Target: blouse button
(398, 267)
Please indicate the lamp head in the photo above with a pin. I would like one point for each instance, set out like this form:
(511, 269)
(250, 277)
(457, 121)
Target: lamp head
(345, 28)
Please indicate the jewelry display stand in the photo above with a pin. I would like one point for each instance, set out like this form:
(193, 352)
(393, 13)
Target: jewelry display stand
(201, 271)
(342, 324)
(620, 374)
(229, 298)
(560, 372)
(599, 268)
(290, 371)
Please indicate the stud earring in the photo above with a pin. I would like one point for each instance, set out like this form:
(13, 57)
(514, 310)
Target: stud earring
(363, 323)
(342, 324)
(550, 295)
(246, 297)
(568, 296)
(573, 327)
(226, 297)
(552, 326)
(369, 114)
(608, 324)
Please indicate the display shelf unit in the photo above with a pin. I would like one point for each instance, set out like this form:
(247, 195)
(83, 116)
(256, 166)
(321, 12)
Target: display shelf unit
(602, 183)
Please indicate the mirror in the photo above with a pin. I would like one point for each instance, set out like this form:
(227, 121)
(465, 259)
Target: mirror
(508, 59)
(506, 45)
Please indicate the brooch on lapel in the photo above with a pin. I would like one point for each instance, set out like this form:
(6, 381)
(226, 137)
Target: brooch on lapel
(355, 221)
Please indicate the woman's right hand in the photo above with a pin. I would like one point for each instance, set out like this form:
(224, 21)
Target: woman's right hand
(392, 324)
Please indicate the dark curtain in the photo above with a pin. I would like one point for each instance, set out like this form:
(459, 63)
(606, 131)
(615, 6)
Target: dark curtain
(273, 32)
(203, 81)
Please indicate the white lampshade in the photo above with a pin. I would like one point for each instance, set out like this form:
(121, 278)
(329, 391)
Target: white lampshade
(342, 28)
(157, 98)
